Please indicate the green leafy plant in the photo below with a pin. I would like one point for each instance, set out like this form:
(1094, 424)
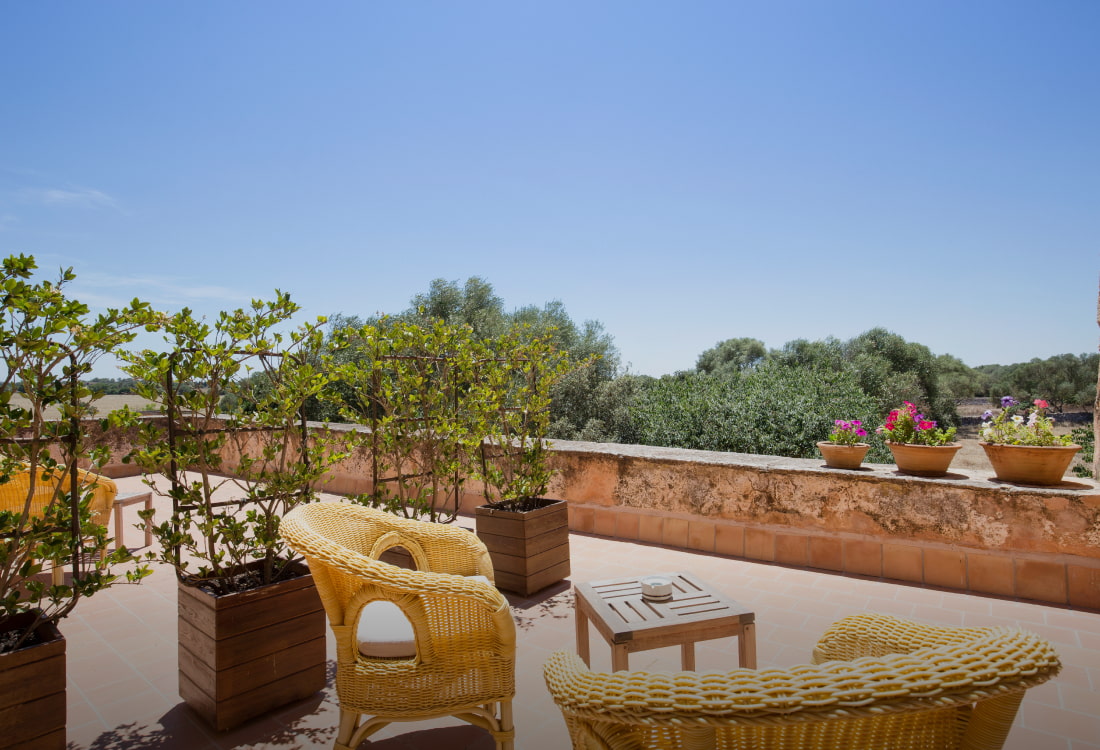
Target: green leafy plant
(906, 425)
(1084, 437)
(847, 432)
(514, 392)
(413, 386)
(1019, 425)
(47, 342)
(232, 476)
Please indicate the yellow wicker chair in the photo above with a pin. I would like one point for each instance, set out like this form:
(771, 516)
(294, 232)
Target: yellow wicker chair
(877, 682)
(463, 660)
(14, 494)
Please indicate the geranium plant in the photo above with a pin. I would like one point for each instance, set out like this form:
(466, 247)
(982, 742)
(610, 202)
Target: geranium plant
(907, 425)
(847, 432)
(1016, 424)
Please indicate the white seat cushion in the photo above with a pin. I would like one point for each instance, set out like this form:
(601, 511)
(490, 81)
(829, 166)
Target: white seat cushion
(385, 633)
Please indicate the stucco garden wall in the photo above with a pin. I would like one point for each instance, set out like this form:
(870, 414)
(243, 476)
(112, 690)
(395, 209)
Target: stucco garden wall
(965, 532)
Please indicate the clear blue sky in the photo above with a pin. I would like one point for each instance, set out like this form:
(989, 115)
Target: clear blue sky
(683, 172)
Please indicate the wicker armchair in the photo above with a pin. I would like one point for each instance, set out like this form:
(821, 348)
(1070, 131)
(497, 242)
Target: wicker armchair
(877, 682)
(460, 656)
(14, 493)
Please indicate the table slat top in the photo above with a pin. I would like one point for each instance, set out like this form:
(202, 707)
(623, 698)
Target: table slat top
(619, 604)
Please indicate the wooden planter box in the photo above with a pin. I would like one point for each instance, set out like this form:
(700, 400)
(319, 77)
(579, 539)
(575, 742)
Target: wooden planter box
(530, 551)
(243, 655)
(32, 692)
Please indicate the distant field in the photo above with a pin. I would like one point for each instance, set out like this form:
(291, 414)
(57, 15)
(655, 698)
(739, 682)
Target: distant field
(102, 405)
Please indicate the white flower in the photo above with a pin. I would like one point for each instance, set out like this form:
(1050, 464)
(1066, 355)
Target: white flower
(1032, 419)
(987, 433)
(1018, 419)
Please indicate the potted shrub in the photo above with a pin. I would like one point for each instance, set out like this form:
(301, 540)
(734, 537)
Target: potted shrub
(526, 533)
(843, 449)
(1021, 444)
(919, 447)
(252, 629)
(47, 342)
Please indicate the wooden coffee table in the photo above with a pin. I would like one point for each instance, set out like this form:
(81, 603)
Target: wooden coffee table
(629, 622)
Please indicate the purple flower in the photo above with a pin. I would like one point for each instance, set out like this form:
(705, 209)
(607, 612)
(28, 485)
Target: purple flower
(988, 414)
(1007, 401)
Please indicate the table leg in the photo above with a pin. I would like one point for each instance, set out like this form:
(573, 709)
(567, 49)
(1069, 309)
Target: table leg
(746, 646)
(687, 657)
(582, 634)
(118, 526)
(619, 657)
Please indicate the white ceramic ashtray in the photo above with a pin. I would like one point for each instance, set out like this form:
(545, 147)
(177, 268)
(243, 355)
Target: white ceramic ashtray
(656, 588)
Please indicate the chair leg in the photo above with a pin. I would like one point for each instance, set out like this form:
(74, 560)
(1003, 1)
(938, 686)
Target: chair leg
(349, 721)
(506, 724)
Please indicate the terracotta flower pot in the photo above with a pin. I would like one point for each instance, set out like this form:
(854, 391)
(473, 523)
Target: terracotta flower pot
(1030, 464)
(923, 460)
(843, 456)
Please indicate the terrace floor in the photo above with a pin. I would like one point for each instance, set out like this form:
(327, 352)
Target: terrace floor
(122, 654)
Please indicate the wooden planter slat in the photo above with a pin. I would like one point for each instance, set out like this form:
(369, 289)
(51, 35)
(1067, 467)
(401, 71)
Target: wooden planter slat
(531, 583)
(522, 525)
(269, 651)
(220, 652)
(53, 741)
(32, 694)
(246, 612)
(531, 564)
(231, 678)
(508, 545)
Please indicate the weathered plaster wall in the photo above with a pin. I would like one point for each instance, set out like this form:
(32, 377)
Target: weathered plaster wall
(970, 509)
(966, 531)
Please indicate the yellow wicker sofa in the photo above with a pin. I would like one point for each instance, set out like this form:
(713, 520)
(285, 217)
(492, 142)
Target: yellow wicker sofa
(877, 682)
(459, 659)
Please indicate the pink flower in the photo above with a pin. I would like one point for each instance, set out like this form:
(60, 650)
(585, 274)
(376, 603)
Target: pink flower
(924, 424)
(1041, 403)
(861, 432)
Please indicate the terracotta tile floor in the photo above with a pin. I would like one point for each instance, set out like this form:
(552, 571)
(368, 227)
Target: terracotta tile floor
(122, 655)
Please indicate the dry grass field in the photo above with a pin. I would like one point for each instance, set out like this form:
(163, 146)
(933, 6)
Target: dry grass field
(102, 405)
